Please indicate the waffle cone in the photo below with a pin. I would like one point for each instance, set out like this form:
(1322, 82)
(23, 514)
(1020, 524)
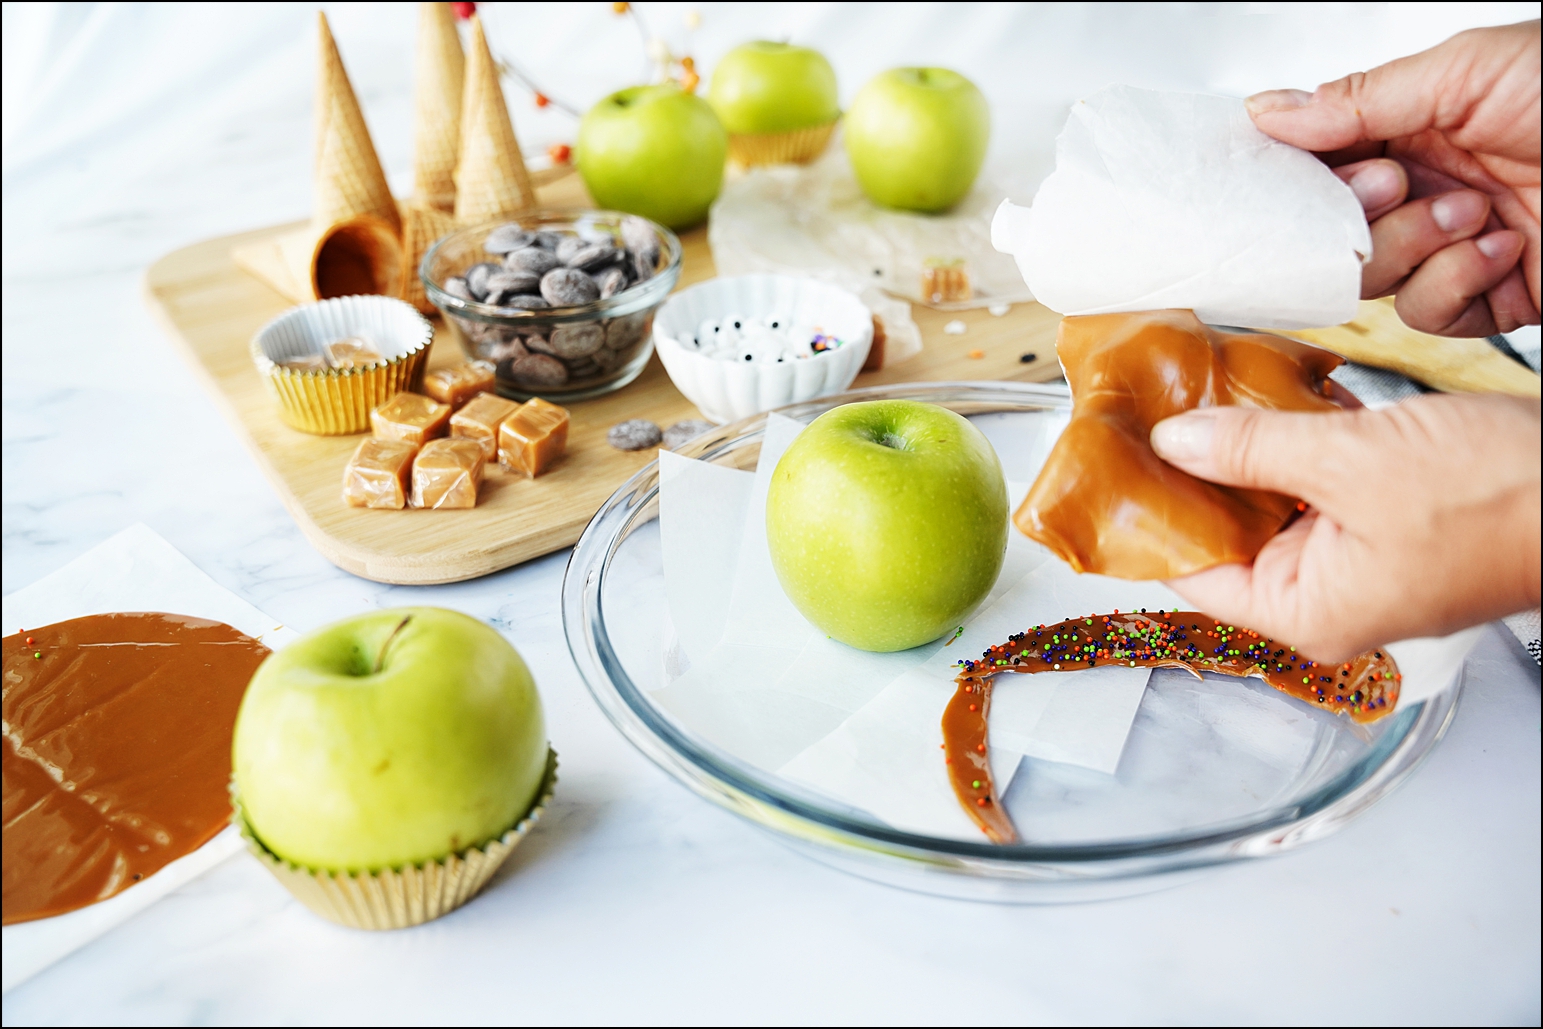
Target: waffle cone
(439, 72)
(422, 227)
(349, 181)
(398, 898)
(490, 177)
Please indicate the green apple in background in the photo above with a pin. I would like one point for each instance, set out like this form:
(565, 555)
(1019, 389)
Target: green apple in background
(917, 137)
(887, 522)
(387, 739)
(657, 151)
(763, 87)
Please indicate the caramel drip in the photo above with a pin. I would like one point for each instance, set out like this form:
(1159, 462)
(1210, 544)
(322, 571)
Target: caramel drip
(117, 752)
(1365, 688)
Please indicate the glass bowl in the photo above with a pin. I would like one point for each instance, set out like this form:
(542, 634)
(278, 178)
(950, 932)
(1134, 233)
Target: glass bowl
(580, 351)
(1214, 770)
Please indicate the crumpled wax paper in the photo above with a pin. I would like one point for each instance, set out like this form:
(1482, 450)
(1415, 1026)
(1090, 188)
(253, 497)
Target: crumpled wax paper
(1175, 200)
(136, 570)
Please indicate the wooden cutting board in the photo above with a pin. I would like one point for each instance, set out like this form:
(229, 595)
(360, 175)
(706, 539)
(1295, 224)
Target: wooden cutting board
(211, 309)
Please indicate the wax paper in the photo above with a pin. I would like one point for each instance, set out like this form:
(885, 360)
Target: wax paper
(1175, 200)
(136, 570)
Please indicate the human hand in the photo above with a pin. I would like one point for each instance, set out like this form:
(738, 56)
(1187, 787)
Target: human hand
(1442, 148)
(1423, 518)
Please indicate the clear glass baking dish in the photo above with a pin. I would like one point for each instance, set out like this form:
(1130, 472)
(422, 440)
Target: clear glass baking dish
(1215, 770)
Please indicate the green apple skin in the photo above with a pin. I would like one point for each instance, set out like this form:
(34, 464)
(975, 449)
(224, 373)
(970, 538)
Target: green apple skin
(346, 768)
(917, 137)
(887, 522)
(764, 87)
(656, 151)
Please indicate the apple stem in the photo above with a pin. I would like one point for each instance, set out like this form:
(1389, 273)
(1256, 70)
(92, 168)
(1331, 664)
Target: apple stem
(380, 659)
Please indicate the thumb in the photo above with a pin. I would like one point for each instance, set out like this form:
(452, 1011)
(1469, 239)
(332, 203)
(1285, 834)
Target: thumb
(1400, 98)
(1284, 451)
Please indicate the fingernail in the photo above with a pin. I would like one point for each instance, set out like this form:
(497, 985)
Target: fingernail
(1277, 100)
(1185, 437)
(1459, 210)
(1498, 244)
(1376, 185)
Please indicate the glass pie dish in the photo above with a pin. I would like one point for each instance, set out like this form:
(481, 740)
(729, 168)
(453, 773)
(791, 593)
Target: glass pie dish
(1214, 770)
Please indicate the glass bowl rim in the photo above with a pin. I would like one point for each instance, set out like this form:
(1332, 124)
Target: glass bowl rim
(753, 794)
(644, 295)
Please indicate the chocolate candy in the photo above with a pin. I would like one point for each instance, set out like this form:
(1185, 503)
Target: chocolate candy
(568, 287)
(506, 238)
(534, 260)
(684, 432)
(611, 282)
(477, 279)
(536, 371)
(572, 342)
(594, 257)
(635, 434)
(507, 285)
(1104, 501)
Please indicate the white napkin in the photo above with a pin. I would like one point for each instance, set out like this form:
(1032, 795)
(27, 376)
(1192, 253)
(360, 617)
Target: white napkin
(1175, 200)
(135, 570)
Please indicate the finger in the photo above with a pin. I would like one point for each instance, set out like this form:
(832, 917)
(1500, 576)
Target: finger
(1355, 153)
(1407, 236)
(1379, 184)
(1400, 98)
(1510, 303)
(1286, 451)
(1445, 295)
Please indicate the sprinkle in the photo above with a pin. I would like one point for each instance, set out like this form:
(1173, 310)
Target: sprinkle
(37, 654)
(30, 641)
(976, 784)
(980, 748)
(976, 355)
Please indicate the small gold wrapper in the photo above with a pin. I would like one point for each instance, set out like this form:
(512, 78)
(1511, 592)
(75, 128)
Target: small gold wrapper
(396, 898)
(797, 147)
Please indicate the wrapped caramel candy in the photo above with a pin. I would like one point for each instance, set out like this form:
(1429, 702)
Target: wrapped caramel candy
(479, 419)
(353, 352)
(447, 473)
(377, 474)
(533, 437)
(945, 280)
(1104, 501)
(411, 417)
(455, 386)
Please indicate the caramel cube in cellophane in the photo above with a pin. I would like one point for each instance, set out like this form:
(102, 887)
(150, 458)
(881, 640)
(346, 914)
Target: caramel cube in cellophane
(532, 438)
(377, 474)
(479, 419)
(446, 473)
(411, 417)
(353, 352)
(455, 386)
(945, 280)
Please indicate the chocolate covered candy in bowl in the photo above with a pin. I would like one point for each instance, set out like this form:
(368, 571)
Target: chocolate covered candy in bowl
(561, 302)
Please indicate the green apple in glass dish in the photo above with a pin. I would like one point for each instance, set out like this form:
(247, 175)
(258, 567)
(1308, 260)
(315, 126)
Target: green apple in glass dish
(657, 151)
(887, 522)
(389, 739)
(917, 138)
(762, 87)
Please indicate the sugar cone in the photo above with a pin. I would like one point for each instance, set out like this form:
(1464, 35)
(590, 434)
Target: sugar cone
(490, 177)
(422, 227)
(438, 73)
(349, 181)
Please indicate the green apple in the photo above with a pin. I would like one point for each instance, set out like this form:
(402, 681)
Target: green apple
(917, 138)
(388, 739)
(763, 87)
(887, 522)
(657, 151)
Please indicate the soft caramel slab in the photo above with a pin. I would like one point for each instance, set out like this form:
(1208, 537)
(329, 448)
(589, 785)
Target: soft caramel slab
(532, 438)
(117, 752)
(447, 474)
(377, 474)
(458, 384)
(410, 417)
(479, 419)
(1104, 501)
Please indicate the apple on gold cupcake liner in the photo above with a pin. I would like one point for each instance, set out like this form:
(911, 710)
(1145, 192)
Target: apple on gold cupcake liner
(396, 898)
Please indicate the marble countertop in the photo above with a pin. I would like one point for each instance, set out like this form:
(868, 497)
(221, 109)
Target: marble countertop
(130, 130)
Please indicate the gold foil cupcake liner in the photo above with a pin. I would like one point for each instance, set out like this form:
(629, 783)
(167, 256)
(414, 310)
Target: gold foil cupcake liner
(797, 147)
(396, 898)
(337, 401)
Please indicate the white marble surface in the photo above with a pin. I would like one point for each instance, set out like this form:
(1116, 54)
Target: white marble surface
(131, 130)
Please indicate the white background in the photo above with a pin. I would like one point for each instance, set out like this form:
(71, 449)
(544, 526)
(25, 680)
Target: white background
(131, 130)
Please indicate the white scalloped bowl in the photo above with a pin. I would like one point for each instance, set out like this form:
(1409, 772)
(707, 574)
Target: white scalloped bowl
(727, 391)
